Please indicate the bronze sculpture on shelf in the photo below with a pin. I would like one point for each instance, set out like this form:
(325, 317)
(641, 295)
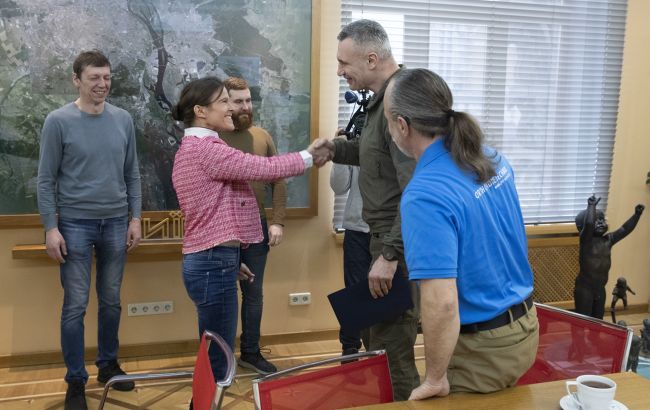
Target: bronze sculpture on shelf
(635, 349)
(595, 256)
(633, 355)
(645, 337)
(619, 292)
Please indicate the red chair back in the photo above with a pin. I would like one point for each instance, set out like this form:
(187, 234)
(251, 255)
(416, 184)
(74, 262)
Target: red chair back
(364, 382)
(206, 393)
(571, 344)
(203, 385)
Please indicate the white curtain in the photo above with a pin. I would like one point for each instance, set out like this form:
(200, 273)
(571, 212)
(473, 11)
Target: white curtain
(541, 76)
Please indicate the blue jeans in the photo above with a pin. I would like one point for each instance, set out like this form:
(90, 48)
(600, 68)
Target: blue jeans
(210, 278)
(254, 256)
(108, 239)
(356, 265)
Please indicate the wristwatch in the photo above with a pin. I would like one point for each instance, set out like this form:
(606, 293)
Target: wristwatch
(389, 253)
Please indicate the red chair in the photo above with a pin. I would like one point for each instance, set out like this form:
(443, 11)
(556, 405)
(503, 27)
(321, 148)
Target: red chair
(206, 394)
(358, 383)
(571, 344)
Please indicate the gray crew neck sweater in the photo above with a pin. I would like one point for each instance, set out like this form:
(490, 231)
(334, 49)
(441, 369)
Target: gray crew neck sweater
(88, 165)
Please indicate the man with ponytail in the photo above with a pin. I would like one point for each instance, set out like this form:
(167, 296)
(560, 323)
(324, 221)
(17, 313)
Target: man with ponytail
(465, 243)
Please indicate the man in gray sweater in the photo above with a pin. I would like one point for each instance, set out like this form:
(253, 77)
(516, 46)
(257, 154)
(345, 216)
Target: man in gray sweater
(88, 174)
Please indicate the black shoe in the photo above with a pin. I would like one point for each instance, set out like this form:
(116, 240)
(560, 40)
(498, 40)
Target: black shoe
(75, 397)
(350, 350)
(113, 369)
(255, 361)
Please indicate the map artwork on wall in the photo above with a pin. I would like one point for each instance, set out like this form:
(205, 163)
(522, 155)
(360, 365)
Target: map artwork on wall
(155, 48)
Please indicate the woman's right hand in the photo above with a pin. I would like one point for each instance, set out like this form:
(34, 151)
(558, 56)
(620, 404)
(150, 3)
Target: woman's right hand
(245, 273)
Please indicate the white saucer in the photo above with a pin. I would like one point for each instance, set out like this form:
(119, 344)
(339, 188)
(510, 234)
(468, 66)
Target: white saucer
(567, 404)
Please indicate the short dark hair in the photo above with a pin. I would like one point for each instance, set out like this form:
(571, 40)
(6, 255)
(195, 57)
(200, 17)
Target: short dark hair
(196, 92)
(369, 35)
(94, 58)
(236, 83)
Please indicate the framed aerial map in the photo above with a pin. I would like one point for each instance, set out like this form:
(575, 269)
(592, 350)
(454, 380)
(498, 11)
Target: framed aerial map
(155, 48)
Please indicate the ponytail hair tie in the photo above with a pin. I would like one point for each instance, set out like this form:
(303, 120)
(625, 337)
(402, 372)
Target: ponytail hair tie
(450, 113)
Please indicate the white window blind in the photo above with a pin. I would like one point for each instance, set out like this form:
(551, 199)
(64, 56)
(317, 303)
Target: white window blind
(541, 76)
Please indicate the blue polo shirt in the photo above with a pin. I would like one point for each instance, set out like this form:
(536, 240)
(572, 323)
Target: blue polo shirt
(454, 227)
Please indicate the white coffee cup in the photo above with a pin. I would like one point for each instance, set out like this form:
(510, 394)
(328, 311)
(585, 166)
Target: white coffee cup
(592, 392)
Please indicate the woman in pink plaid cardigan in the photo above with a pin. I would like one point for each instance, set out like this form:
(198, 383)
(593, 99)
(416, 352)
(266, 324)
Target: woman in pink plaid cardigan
(219, 208)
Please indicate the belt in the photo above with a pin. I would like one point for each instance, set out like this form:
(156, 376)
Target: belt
(503, 319)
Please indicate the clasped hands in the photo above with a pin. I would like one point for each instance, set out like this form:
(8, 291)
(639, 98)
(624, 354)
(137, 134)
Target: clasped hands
(322, 151)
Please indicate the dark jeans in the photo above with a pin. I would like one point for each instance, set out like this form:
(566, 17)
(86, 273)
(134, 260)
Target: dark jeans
(254, 256)
(356, 265)
(210, 278)
(107, 237)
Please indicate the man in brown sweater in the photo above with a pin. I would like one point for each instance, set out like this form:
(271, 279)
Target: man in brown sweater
(254, 140)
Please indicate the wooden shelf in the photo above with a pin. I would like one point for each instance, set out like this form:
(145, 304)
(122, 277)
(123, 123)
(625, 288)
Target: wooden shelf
(146, 247)
(538, 236)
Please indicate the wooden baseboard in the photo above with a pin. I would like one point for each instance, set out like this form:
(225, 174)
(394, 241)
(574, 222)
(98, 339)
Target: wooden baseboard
(181, 347)
(191, 346)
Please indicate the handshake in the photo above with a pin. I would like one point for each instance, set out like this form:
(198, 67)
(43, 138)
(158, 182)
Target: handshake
(322, 151)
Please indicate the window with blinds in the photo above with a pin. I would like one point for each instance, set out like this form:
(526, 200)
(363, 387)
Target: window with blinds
(541, 76)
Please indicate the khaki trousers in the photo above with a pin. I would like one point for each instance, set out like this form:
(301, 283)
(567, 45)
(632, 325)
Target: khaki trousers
(492, 360)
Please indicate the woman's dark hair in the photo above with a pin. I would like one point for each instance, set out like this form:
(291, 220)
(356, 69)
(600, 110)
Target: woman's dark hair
(196, 92)
(424, 100)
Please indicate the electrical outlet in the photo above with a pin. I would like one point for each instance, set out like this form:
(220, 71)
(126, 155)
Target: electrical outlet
(150, 308)
(303, 298)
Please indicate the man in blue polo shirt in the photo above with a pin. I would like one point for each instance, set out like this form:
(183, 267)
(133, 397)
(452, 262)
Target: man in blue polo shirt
(464, 240)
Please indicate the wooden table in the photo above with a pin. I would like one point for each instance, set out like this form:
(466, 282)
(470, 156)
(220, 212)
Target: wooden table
(632, 390)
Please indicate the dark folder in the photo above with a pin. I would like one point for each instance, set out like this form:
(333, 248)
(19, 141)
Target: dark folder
(356, 309)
